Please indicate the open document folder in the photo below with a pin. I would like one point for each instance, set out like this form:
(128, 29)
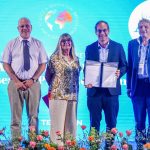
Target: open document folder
(101, 74)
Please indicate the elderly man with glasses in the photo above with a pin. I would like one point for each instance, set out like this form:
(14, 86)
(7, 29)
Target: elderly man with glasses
(138, 81)
(24, 60)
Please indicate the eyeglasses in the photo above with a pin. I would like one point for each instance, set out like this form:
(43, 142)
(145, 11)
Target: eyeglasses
(66, 41)
(27, 26)
(143, 26)
(102, 30)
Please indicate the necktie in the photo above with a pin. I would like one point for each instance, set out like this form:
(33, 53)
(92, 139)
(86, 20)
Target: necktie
(26, 55)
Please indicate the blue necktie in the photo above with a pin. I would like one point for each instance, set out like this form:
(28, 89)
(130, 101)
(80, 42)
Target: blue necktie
(26, 55)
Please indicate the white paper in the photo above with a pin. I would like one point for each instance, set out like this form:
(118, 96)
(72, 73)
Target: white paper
(109, 79)
(93, 74)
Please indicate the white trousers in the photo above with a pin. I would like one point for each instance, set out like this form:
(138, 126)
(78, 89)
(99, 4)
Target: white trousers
(63, 115)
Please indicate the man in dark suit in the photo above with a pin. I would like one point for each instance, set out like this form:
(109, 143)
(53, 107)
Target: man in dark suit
(98, 99)
(138, 81)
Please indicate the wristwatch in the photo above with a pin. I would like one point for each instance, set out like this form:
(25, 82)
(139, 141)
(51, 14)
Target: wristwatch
(34, 80)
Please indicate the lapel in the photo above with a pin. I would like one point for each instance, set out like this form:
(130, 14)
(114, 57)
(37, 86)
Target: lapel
(110, 53)
(148, 60)
(96, 51)
(148, 52)
(135, 54)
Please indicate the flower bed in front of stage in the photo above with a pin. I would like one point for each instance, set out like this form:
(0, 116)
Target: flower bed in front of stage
(88, 141)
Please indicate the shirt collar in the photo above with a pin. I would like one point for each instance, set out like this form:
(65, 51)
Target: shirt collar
(99, 46)
(21, 39)
(140, 42)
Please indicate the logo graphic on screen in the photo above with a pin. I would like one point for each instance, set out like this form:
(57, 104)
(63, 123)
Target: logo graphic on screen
(58, 19)
(141, 11)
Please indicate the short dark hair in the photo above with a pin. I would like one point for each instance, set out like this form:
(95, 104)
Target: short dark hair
(101, 21)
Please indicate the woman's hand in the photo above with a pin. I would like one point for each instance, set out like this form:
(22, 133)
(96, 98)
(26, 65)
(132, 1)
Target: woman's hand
(49, 95)
(89, 86)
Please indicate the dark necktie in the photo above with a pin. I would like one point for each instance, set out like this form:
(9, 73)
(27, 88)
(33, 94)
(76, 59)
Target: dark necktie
(26, 55)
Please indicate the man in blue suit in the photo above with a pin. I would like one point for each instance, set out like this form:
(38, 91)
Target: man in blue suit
(138, 81)
(106, 99)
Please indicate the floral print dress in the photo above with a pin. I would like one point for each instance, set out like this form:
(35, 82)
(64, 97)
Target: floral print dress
(64, 78)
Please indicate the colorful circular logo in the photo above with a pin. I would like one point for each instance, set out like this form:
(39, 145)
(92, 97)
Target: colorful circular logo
(141, 11)
(58, 19)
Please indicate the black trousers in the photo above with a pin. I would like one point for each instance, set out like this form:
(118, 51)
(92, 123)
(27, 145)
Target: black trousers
(106, 102)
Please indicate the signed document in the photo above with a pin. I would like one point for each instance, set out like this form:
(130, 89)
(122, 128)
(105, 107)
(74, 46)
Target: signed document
(92, 73)
(109, 79)
(101, 74)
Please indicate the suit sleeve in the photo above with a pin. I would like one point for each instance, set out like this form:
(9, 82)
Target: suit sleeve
(122, 62)
(86, 58)
(129, 71)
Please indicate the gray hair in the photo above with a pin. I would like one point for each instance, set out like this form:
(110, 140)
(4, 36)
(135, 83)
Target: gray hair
(24, 18)
(143, 20)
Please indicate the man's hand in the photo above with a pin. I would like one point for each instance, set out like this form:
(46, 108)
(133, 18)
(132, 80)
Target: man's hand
(20, 85)
(28, 83)
(117, 73)
(89, 86)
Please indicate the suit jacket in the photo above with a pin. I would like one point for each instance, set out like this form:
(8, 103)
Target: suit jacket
(116, 54)
(133, 62)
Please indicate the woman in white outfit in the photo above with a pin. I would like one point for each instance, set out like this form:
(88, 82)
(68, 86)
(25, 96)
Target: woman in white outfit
(62, 76)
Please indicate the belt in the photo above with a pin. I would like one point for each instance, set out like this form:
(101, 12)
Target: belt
(34, 80)
(22, 79)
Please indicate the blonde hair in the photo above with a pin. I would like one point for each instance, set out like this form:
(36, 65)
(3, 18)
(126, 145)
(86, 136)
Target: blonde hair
(58, 49)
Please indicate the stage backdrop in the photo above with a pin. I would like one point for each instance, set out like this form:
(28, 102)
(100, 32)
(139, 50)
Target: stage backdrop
(77, 18)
